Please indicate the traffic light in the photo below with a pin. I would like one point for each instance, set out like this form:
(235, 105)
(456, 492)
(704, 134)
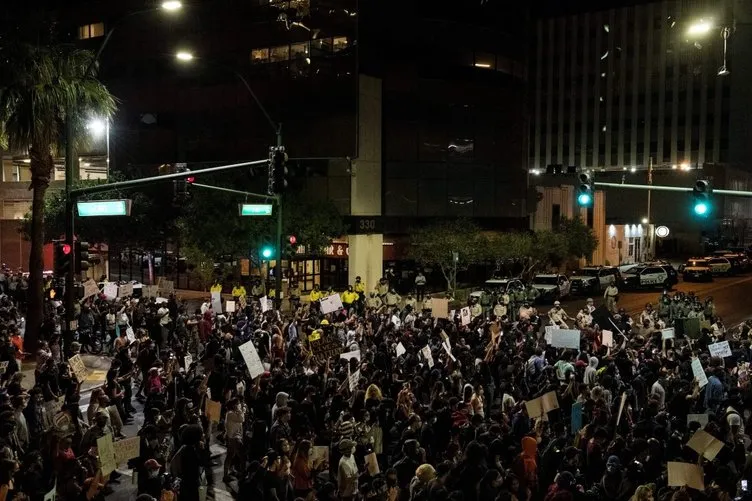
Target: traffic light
(62, 259)
(82, 257)
(277, 170)
(701, 198)
(180, 186)
(267, 251)
(585, 190)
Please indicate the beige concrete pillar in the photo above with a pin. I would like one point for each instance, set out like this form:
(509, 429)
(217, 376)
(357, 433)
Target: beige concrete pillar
(366, 250)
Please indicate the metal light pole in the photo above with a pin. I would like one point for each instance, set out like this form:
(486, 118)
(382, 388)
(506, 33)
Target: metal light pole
(186, 57)
(71, 172)
(650, 183)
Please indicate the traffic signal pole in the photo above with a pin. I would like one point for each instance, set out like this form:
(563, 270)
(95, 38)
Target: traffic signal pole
(735, 193)
(70, 204)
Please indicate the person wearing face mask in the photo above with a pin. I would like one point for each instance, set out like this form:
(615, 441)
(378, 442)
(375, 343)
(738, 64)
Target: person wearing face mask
(152, 483)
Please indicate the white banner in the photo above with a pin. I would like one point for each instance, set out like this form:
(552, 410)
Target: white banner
(252, 360)
(608, 339)
(90, 288)
(566, 338)
(721, 349)
(668, 333)
(465, 315)
(331, 303)
(698, 372)
(125, 290)
(111, 290)
(266, 304)
(350, 354)
(216, 302)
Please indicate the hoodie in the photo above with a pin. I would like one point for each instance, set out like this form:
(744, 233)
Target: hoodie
(280, 401)
(591, 371)
(527, 464)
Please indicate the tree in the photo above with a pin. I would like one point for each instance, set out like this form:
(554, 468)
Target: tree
(452, 245)
(581, 241)
(211, 221)
(528, 252)
(203, 265)
(39, 86)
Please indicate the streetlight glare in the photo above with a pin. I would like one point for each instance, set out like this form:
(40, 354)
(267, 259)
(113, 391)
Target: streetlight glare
(96, 127)
(184, 56)
(172, 5)
(699, 28)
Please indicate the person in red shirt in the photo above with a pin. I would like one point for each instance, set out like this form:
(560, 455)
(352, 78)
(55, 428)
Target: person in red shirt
(17, 342)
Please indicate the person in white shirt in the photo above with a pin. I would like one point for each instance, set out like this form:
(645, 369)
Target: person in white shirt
(558, 316)
(347, 472)
(396, 319)
(164, 323)
(234, 420)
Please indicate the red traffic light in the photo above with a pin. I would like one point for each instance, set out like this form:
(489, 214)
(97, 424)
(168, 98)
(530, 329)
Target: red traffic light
(190, 179)
(66, 249)
(293, 240)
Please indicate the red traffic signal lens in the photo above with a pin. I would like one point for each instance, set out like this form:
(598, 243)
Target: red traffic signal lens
(293, 240)
(190, 179)
(66, 249)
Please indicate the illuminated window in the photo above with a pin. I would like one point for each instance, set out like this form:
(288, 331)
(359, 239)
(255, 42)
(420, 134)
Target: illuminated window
(281, 53)
(259, 56)
(16, 209)
(321, 47)
(299, 50)
(90, 31)
(339, 43)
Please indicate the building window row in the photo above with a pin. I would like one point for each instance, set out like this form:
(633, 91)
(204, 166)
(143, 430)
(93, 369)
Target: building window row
(299, 50)
(93, 30)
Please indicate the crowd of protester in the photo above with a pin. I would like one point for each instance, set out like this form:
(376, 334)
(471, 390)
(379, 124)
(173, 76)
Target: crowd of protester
(430, 409)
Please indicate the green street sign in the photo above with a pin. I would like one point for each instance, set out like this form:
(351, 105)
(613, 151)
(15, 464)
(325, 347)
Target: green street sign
(104, 208)
(255, 209)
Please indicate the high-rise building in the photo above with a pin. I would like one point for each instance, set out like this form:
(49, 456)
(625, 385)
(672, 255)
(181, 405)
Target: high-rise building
(649, 85)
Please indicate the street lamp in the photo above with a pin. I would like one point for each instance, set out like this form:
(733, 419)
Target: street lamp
(172, 5)
(97, 127)
(184, 56)
(699, 28)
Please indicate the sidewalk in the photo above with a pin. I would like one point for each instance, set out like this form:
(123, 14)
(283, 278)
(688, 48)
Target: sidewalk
(96, 364)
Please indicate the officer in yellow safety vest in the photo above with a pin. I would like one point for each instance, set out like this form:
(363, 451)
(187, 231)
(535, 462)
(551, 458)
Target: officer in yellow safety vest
(238, 291)
(349, 297)
(217, 287)
(360, 289)
(315, 294)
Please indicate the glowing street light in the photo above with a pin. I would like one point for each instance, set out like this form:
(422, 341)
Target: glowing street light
(699, 28)
(97, 127)
(172, 5)
(184, 56)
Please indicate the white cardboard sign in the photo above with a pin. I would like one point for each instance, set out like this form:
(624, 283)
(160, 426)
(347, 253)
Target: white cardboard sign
(721, 349)
(252, 360)
(566, 338)
(331, 303)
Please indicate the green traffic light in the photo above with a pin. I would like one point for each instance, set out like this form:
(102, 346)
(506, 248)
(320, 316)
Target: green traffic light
(701, 208)
(267, 252)
(584, 199)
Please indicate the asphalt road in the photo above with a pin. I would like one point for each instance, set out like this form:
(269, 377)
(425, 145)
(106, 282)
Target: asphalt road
(731, 296)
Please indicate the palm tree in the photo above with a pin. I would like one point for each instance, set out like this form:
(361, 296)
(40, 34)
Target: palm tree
(38, 87)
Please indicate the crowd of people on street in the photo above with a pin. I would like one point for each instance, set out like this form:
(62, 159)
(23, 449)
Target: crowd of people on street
(378, 397)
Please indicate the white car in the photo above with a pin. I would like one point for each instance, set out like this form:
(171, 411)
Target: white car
(552, 287)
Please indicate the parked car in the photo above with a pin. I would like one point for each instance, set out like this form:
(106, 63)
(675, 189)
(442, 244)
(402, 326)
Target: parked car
(552, 286)
(650, 276)
(696, 270)
(593, 279)
(720, 265)
(500, 285)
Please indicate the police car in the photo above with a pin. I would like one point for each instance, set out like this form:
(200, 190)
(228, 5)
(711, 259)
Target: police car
(592, 279)
(696, 270)
(720, 265)
(650, 276)
(552, 287)
(500, 286)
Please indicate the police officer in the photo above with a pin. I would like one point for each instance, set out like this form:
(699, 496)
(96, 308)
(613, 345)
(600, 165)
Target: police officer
(611, 295)
(532, 294)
